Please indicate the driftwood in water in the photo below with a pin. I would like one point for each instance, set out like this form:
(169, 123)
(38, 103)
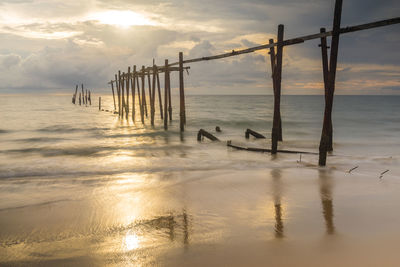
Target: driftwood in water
(204, 133)
(253, 133)
(266, 150)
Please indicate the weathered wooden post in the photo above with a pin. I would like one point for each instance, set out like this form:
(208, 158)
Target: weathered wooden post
(182, 111)
(325, 68)
(99, 102)
(90, 98)
(277, 91)
(144, 104)
(122, 89)
(159, 95)
(169, 97)
(139, 97)
(86, 97)
(112, 89)
(128, 75)
(273, 68)
(80, 103)
(119, 95)
(76, 91)
(83, 95)
(153, 110)
(166, 84)
(133, 92)
(324, 144)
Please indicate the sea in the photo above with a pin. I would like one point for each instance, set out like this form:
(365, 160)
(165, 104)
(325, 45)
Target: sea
(81, 186)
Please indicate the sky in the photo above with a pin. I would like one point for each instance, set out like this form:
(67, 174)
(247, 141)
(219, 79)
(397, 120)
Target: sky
(48, 46)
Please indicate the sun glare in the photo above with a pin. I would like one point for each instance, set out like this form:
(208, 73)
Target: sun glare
(121, 18)
(131, 241)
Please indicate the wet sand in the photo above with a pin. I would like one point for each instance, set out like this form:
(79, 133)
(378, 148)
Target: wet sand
(293, 216)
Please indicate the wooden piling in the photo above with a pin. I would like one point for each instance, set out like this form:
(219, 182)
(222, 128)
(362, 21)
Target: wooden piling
(74, 97)
(86, 97)
(166, 84)
(99, 102)
(133, 84)
(119, 95)
(152, 103)
(80, 103)
(127, 79)
(112, 89)
(144, 104)
(273, 71)
(324, 143)
(325, 69)
(83, 95)
(122, 89)
(159, 95)
(182, 112)
(90, 98)
(277, 91)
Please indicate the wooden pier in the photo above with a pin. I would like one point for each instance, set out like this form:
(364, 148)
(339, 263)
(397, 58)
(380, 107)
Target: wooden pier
(135, 80)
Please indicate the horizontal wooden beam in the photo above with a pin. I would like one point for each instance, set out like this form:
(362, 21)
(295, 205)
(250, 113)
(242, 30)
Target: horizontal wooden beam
(296, 40)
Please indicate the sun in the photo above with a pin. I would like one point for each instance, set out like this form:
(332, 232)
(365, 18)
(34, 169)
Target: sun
(120, 18)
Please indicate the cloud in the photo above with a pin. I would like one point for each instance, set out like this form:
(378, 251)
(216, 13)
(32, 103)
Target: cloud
(54, 44)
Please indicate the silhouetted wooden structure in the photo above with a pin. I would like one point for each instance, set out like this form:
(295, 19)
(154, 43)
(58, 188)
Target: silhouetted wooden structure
(126, 81)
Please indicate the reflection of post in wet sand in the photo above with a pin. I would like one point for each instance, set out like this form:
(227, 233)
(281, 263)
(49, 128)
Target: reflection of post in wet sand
(325, 188)
(277, 188)
(185, 229)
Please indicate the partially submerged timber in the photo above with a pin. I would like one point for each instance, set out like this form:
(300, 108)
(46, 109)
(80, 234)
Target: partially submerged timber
(135, 81)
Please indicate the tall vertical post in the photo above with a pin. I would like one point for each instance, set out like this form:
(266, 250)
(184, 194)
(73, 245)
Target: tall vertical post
(83, 95)
(277, 92)
(80, 99)
(112, 89)
(99, 102)
(153, 109)
(122, 89)
(119, 95)
(86, 97)
(324, 143)
(182, 112)
(133, 84)
(144, 104)
(127, 79)
(166, 92)
(325, 68)
(90, 98)
(159, 95)
(139, 97)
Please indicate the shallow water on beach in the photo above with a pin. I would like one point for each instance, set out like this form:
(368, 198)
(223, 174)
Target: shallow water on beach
(80, 187)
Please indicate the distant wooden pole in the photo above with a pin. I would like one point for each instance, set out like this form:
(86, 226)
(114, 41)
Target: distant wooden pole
(74, 97)
(119, 95)
(150, 88)
(127, 91)
(169, 97)
(325, 68)
(153, 109)
(122, 89)
(90, 98)
(139, 97)
(112, 89)
(99, 102)
(166, 81)
(277, 91)
(86, 97)
(182, 111)
(80, 99)
(133, 84)
(83, 95)
(144, 104)
(159, 94)
(324, 144)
